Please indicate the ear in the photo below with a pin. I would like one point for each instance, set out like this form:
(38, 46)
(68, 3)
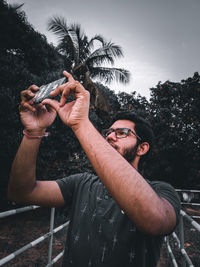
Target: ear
(142, 149)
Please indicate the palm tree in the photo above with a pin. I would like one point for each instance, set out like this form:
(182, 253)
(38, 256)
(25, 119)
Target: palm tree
(86, 61)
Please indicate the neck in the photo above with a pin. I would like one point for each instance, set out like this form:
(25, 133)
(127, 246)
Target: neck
(135, 163)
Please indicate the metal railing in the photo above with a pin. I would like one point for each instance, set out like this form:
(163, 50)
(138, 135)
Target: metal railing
(35, 242)
(185, 259)
(180, 240)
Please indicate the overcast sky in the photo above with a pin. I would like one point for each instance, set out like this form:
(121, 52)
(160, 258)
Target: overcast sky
(160, 38)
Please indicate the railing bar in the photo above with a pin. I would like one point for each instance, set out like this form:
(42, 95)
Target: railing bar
(24, 248)
(181, 236)
(194, 223)
(177, 239)
(60, 227)
(51, 234)
(7, 259)
(187, 190)
(171, 253)
(55, 259)
(30, 245)
(196, 217)
(15, 211)
(192, 204)
(184, 253)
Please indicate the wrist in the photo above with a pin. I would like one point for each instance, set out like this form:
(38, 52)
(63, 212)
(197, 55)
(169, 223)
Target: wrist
(82, 126)
(35, 135)
(39, 132)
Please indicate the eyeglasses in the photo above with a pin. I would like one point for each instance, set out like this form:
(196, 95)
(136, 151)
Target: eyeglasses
(119, 133)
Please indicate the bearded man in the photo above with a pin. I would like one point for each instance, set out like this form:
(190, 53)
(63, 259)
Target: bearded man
(118, 218)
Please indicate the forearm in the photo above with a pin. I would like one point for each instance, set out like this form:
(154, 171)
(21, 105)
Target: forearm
(125, 184)
(22, 177)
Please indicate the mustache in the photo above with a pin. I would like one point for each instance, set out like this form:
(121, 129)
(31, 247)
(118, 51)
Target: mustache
(113, 145)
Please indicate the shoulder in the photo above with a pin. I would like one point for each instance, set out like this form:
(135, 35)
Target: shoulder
(74, 180)
(164, 189)
(70, 184)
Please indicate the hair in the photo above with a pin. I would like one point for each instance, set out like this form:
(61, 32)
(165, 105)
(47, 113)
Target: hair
(142, 127)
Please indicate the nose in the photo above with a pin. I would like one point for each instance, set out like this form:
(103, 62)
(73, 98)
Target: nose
(111, 136)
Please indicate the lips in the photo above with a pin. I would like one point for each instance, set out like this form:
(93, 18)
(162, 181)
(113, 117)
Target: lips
(113, 145)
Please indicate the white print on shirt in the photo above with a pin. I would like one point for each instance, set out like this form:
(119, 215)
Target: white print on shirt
(99, 199)
(84, 209)
(104, 251)
(100, 229)
(131, 256)
(76, 238)
(112, 220)
(93, 216)
(115, 240)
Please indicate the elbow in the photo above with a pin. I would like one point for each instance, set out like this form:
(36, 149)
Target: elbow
(14, 194)
(160, 225)
(11, 195)
(154, 224)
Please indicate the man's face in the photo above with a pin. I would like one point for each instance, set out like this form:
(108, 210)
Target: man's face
(127, 146)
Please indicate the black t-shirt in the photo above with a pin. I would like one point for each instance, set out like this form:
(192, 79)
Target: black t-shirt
(100, 234)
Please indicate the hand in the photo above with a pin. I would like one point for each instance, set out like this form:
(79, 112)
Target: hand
(35, 118)
(73, 113)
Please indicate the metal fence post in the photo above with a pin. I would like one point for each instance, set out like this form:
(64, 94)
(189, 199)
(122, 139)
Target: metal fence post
(181, 232)
(51, 235)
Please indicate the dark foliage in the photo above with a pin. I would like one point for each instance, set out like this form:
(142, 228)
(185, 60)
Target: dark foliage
(173, 110)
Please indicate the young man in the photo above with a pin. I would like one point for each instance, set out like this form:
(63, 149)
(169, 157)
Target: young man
(117, 218)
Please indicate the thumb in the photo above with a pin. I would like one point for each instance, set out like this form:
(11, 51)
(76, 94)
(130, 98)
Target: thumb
(51, 102)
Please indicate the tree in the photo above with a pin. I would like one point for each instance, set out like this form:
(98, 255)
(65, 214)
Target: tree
(25, 58)
(175, 110)
(86, 60)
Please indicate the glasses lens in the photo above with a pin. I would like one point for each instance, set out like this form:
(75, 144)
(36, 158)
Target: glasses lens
(121, 133)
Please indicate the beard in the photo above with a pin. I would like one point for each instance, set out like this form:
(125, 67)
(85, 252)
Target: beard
(130, 153)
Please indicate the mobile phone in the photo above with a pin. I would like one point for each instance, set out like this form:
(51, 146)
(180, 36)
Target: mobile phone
(45, 90)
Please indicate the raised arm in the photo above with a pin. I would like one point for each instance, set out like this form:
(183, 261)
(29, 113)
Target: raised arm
(23, 187)
(151, 213)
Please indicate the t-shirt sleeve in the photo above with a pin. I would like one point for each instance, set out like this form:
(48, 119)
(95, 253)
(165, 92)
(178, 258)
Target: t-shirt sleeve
(68, 185)
(166, 191)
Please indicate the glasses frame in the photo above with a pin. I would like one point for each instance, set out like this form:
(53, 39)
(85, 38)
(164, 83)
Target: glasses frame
(127, 130)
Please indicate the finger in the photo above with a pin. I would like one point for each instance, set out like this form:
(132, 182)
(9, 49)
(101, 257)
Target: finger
(50, 109)
(33, 87)
(79, 89)
(69, 76)
(58, 90)
(65, 95)
(28, 94)
(51, 102)
(25, 106)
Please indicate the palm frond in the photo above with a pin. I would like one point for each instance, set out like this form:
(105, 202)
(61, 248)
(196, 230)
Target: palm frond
(75, 42)
(110, 50)
(96, 38)
(59, 26)
(77, 28)
(110, 74)
(100, 58)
